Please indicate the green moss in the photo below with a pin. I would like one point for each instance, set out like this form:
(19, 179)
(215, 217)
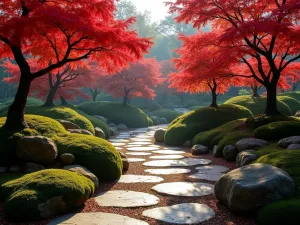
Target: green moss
(227, 134)
(278, 130)
(96, 154)
(294, 94)
(170, 115)
(274, 147)
(291, 102)
(195, 107)
(188, 125)
(257, 105)
(24, 195)
(117, 113)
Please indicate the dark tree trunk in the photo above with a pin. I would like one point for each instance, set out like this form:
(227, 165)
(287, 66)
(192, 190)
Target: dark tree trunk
(214, 99)
(63, 101)
(271, 106)
(94, 95)
(50, 98)
(15, 117)
(255, 89)
(125, 100)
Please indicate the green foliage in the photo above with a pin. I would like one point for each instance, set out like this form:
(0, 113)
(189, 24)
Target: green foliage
(96, 154)
(188, 125)
(257, 105)
(291, 102)
(170, 115)
(227, 134)
(244, 92)
(117, 113)
(278, 130)
(23, 196)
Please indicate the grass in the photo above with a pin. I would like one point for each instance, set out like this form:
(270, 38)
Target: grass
(190, 124)
(170, 115)
(23, 196)
(117, 113)
(257, 105)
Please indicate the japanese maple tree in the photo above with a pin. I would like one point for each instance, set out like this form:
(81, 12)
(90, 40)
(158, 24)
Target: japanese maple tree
(62, 32)
(265, 30)
(138, 80)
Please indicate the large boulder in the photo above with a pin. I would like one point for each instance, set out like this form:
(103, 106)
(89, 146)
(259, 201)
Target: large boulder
(285, 142)
(297, 114)
(85, 172)
(294, 147)
(80, 131)
(245, 158)
(68, 125)
(217, 152)
(253, 186)
(199, 150)
(102, 118)
(45, 194)
(32, 167)
(159, 135)
(37, 149)
(99, 133)
(67, 159)
(230, 153)
(250, 143)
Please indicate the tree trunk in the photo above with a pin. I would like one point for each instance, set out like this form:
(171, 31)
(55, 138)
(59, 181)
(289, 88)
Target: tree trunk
(271, 106)
(50, 98)
(255, 91)
(63, 101)
(214, 99)
(125, 100)
(15, 116)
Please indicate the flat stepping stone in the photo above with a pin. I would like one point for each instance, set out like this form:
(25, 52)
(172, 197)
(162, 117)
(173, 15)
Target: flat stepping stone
(179, 163)
(141, 149)
(169, 152)
(168, 171)
(211, 172)
(139, 153)
(118, 140)
(167, 157)
(118, 148)
(185, 189)
(123, 136)
(117, 144)
(140, 179)
(143, 136)
(97, 218)
(141, 143)
(125, 199)
(173, 148)
(186, 213)
(141, 139)
(135, 160)
(130, 146)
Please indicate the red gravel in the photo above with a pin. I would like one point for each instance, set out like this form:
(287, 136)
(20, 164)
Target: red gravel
(223, 215)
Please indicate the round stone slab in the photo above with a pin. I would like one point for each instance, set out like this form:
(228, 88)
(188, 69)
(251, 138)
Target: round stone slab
(125, 199)
(130, 146)
(139, 153)
(186, 213)
(172, 148)
(141, 143)
(167, 157)
(141, 139)
(97, 218)
(135, 160)
(117, 144)
(141, 149)
(185, 189)
(118, 140)
(180, 162)
(211, 172)
(169, 152)
(168, 171)
(139, 179)
(213, 168)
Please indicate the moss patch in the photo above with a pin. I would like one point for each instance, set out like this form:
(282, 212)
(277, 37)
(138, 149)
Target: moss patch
(188, 125)
(170, 115)
(117, 113)
(291, 102)
(24, 195)
(294, 94)
(257, 105)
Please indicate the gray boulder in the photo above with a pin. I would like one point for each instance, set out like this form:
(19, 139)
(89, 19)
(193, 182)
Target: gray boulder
(253, 186)
(159, 135)
(294, 147)
(102, 118)
(230, 152)
(245, 158)
(37, 149)
(80, 131)
(297, 114)
(285, 142)
(68, 125)
(250, 143)
(67, 159)
(113, 131)
(99, 133)
(217, 152)
(112, 125)
(122, 127)
(32, 167)
(199, 150)
(85, 172)
(15, 169)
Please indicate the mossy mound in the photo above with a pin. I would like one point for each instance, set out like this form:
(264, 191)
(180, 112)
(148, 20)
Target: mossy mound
(30, 102)
(24, 197)
(274, 147)
(195, 107)
(293, 94)
(170, 115)
(227, 134)
(6, 177)
(117, 113)
(188, 125)
(96, 154)
(291, 102)
(258, 105)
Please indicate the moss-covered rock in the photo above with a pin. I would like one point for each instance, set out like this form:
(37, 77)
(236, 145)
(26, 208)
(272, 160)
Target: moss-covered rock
(257, 105)
(96, 154)
(188, 125)
(45, 194)
(292, 94)
(117, 113)
(170, 115)
(291, 102)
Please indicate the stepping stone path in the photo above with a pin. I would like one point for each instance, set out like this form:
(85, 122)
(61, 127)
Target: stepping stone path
(126, 199)
(211, 172)
(169, 152)
(117, 144)
(135, 160)
(167, 157)
(143, 148)
(118, 140)
(139, 153)
(174, 163)
(186, 213)
(140, 179)
(167, 171)
(141, 143)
